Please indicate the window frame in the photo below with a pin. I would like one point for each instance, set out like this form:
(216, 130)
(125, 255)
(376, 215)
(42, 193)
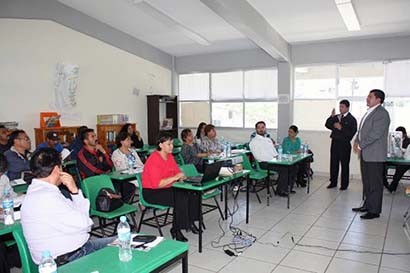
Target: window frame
(243, 100)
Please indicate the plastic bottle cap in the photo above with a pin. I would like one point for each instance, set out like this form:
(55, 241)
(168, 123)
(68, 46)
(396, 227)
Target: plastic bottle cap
(123, 219)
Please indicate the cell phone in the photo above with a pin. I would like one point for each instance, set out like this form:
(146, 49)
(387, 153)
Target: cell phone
(144, 238)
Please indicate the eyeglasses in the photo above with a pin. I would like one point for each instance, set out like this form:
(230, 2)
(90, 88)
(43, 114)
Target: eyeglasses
(24, 138)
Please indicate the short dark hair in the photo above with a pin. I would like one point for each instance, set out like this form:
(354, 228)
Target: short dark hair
(345, 102)
(294, 128)
(81, 129)
(162, 137)
(43, 162)
(402, 129)
(85, 133)
(198, 130)
(124, 128)
(121, 137)
(260, 122)
(2, 127)
(3, 164)
(15, 135)
(185, 133)
(208, 128)
(378, 94)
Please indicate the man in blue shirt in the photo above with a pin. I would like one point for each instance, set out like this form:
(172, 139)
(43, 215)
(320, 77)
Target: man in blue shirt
(52, 141)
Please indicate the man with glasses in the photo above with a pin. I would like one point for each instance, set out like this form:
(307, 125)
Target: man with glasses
(18, 155)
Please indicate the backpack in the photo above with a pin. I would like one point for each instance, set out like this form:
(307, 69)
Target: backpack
(108, 200)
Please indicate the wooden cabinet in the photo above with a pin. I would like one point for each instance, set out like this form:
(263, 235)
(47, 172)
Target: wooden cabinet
(159, 108)
(66, 133)
(107, 134)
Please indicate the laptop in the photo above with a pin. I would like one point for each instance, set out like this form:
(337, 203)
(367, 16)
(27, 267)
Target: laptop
(211, 172)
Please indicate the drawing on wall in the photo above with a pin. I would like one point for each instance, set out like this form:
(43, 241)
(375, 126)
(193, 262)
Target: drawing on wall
(65, 86)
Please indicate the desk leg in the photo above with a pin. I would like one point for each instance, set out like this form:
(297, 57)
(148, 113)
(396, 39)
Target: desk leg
(289, 189)
(308, 177)
(268, 188)
(226, 201)
(185, 262)
(247, 198)
(201, 220)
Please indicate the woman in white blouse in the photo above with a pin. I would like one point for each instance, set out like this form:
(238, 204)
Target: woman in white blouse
(123, 154)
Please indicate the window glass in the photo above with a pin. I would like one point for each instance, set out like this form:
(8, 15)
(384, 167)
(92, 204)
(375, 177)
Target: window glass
(399, 111)
(194, 86)
(192, 113)
(266, 111)
(261, 84)
(312, 114)
(227, 86)
(358, 79)
(398, 79)
(227, 114)
(315, 82)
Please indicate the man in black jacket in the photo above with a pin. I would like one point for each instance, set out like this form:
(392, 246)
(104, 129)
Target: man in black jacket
(343, 127)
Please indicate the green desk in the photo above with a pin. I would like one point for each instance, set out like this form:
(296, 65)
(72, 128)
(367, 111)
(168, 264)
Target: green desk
(222, 181)
(120, 175)
(106, 260)
(288, 161)
(9, 229)
(397, 161)
(22, 188)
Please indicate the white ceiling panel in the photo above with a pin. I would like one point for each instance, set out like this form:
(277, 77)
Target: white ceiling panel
(296, 20)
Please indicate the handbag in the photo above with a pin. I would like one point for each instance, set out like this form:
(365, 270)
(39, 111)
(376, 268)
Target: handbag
(108, 200)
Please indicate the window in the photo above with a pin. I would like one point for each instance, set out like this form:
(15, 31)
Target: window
(398, 79)
(229, 99)
(318, 89)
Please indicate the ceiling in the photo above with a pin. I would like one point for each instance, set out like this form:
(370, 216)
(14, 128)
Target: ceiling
(170, 24)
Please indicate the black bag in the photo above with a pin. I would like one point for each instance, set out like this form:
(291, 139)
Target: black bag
(107, 200)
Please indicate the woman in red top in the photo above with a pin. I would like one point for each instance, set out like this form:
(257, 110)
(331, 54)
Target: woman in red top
(160, 172)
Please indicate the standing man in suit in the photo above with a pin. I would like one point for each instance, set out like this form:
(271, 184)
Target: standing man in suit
(343, 127)
(371, 145)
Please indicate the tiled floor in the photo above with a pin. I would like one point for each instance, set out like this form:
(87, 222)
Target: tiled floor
(323, 226)
(321, 218)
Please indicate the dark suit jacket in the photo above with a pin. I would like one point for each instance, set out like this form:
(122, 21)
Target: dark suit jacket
(349, 127)
(373, 135)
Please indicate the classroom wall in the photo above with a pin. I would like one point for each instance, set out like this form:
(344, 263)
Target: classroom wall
(29, 52)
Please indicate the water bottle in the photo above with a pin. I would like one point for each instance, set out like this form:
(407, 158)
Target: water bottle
(47, 265)
(228, 149)
(280, 151)
(305, 149)
(124, 236)
(8, 207)
(131, 162)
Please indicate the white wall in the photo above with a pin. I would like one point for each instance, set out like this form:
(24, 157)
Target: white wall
(29, 51)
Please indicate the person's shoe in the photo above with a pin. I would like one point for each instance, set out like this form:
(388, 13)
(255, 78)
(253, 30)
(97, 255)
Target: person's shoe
(369, 216)
(360, 209)
(283, 194)
(292, 191)
(194, 229)
(173, 233)
(180, 237)
(390, 189)
(343, 188)
(331, 186)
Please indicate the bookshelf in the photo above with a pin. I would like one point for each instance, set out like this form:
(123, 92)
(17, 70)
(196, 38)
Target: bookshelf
(161, 107)
(66, 133)
(107, 133)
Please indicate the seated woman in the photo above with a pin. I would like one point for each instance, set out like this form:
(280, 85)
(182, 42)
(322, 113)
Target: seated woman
(190, 151)
(135, 135)
(122, 156)
(200, 133)
(210, 143)
(160, 172)
(291, 145)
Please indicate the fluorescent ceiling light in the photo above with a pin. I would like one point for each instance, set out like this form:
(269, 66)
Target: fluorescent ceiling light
(170, 22)
(348, 14)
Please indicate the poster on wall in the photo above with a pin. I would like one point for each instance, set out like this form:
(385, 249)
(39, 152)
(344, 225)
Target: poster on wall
(65, 90)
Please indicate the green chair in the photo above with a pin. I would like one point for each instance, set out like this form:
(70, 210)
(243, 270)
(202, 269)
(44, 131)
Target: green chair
(190, 170)
(155, 208)
(255, 175)
(27, 263)
(179, 159)
(71, 168)
(177, 142)
(91, 186)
